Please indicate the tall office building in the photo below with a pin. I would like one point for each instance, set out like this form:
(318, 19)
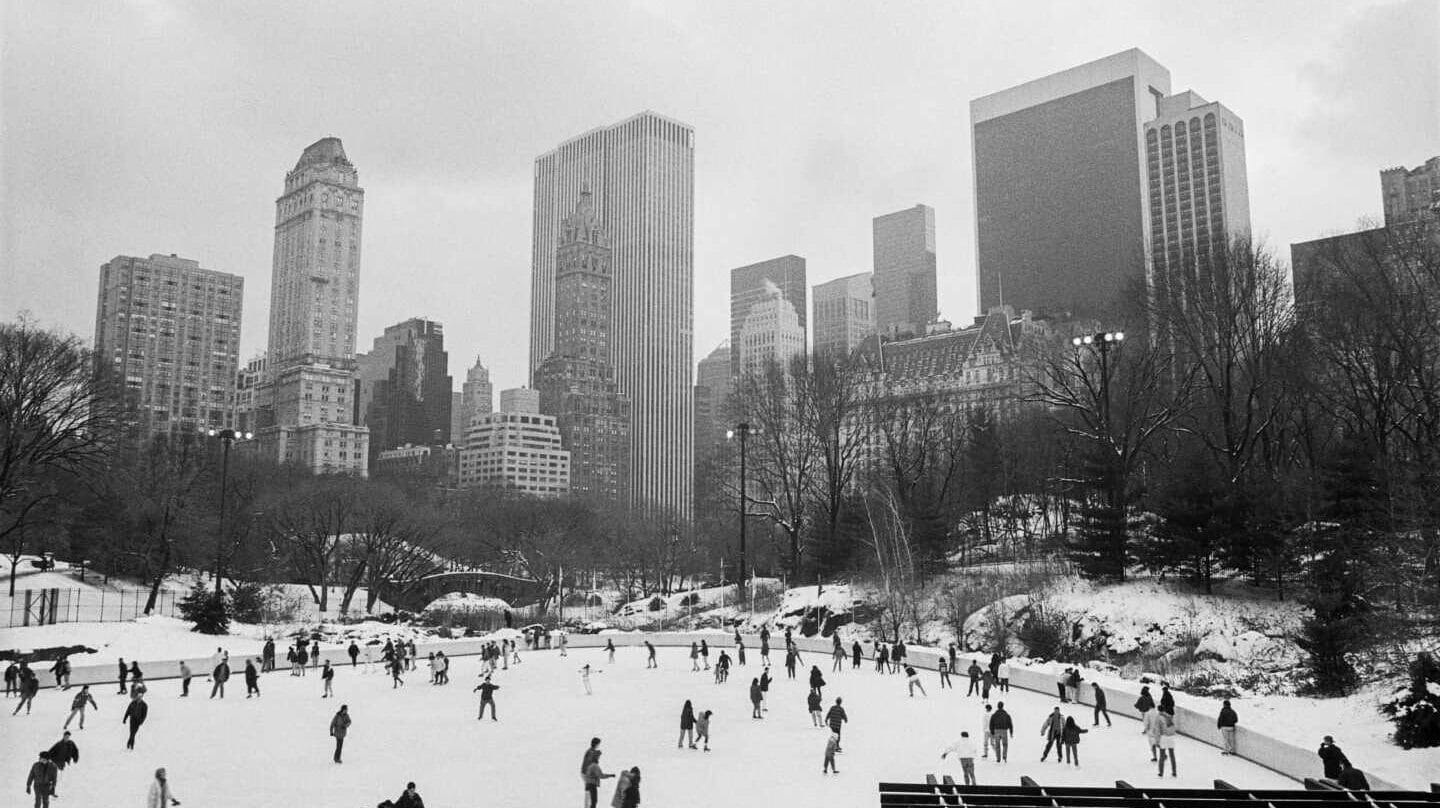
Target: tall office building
(904, 278)
(1411, 194)
(771, 333)
(516, 448)
(476, 397)
(314, 288)
(249, 383)
(713, 383)
(641, 171)
(844, 313)
(405, 387)
(1060, 191)
(577, 382)
(1198, 195)
(748, 286)
(170, 331)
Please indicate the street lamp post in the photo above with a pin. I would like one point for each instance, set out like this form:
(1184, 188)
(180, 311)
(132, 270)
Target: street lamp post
(742, 431)
(227, 439)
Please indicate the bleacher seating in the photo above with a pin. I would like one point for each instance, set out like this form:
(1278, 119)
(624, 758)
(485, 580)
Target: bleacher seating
(935, 793)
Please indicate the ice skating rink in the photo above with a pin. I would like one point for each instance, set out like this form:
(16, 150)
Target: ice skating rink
(276, 751)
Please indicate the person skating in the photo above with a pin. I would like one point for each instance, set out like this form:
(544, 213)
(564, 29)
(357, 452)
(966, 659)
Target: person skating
(1060, 685)
(897, 656)
(650, 655)
(791, 658)
(135, 714)
(302, 657)
(627, 789)
(252, 679)
(137, 685)
(1051, 730)
(1352, 778)
(1070, 740)
(985, 741)
(812, 702)
(136, 673)
(1167, 699)
(185, 676)
(837, 653)
(12, 679)
(987, 681)
(856, 654)
(591, 753)
(29, 686)
(912, 682)
(354, 652)
(124, 676)
(702, 729)
(339, 727)
(64, 752)
(1167, 742)
(943, 666)
(593, 775)
(315, 653)
(160, 795)
(218, 676)
(1072, 685)
(765, 681)
(1002, 672)
(43, 777)
(585, 679)
(327, 675)
(487, 696)
(722, 668)
(1150, 725)
(882, 658)
(1332, 757)
(832, 745)
(974, 673)
(1002, 728)
(740, 652)
(1145, 702)
(705, 654)
(78, 704)
(397, 667)
(61, 671)
(964, 749)
(836, 718)
(1100, 708)
(267, 655)
(610, 651)
(694, 656)
(953, 656)
(1226, 724)
(409, 798)
(817, 682)
(755, 696)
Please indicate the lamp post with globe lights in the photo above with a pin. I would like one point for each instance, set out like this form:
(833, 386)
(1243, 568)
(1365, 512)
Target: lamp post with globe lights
(1101, 343)
(742, 432)
(227, 439)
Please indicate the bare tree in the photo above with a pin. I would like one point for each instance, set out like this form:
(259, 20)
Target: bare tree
(835, 389)
(310, 524)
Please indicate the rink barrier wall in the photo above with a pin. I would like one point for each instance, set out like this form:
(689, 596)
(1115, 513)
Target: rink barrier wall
(1279, 756)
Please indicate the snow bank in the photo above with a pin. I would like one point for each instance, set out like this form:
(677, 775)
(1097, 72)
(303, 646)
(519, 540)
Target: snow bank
(466, 602)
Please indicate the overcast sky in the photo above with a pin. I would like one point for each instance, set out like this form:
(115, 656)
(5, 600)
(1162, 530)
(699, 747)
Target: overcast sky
(132, 128)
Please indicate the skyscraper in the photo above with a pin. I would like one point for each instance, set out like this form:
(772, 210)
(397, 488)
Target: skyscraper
(748, 286)
(170, 331)
(641, 173)
(1060, 186)
(405, 387)
(1198, 193)
(844, 313)
(1411, 194)
(771, 333)
(476, 397)
(314, 288)
(577, 382)
(713, 383)
(515, 448)
(904, 281)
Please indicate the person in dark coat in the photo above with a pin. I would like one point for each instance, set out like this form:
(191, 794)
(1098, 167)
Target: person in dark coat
(765, 689)
(943, 667)
(185, 677)
(1167, 700)
(1352, 778)
(135, 714)
(124, 674)
(12, 678)
(1099, 704)
(1145, 703)
(64, 752)
(267, 655)
(1333, 758)
(591, 754)
(817, 681)
(409, 798)
(882, 658)
(1001, 728)
(1226, 724)
(755, 696)
(339, 726)
(630, 798)
(1070, 740)
(650, 655)
(897, 656)
(78, 704)
(592, 776)
(836, 718)
(29, 686)
(135, 671)
(974, 673)
(1053, 730)
(487, 696)
(43, 777)
(812, 703)
(354, 651)
(705, 654)
(219, 676)
(855, 655)
(687, 725)
(252, 679)
(791, 657)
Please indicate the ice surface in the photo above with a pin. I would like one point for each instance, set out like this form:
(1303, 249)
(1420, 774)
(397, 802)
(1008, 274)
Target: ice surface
(276, 751)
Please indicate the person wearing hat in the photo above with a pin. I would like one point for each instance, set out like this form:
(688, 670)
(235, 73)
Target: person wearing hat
(160, 795)
(43, 776)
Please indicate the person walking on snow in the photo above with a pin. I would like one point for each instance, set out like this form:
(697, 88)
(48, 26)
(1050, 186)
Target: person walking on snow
(339, 726)
(1051, 730)
(1070, 740)
(327, 675)
(1099, 704)
(1226, 724)
(702, 729)
(832, 745)
(837, 718)
(1002, 729)
(78, 704)
(487, 696)
(43, 777)
(687, 726)
(135, 714)
(964, 749)
(252, 680)
(160, 795)
(913, 682)
(1167, 742)
(755, 696)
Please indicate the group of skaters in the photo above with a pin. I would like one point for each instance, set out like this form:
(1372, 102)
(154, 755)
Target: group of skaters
(627, 781)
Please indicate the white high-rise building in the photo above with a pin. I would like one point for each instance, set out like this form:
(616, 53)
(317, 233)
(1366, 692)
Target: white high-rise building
(476, 397)
(844, 313)
(314, 289)
(771, 333)
(641, 173)
(516, 448)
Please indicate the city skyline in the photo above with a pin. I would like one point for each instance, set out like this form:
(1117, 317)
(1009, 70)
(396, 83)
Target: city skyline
(1306, 94)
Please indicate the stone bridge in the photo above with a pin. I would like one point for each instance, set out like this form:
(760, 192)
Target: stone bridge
(414, 595)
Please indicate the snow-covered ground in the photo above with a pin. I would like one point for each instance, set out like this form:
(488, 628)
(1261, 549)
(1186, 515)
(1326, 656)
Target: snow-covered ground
(276, 751)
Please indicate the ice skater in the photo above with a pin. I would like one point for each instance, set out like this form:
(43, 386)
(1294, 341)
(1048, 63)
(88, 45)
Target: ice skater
(832, 745)
(649, 656)
(705, 654)
(327, 675)
(1002, 673)
(812, 702)
(124, 675)
(1167, 742)
(610, 651)
(252, 679)
(12, 674)
(1226, 724)
(817, 682)
(1100, 708)
(856, 654)
(64, 752)
(1051, 730)
(585, 680)
(487, 696)
(943, 667)
(354, 652)
(593, 775)
(218, 677)
(339, 726)
(1070, 740)
(397, 666)
(687, 726)
(43, 777)
(1002, 729)
(964, 750)
(29, 686)
(765, 681)
(694, 657)
(78, 704)
(837, 718)
(702, 729)
(185, 676)
(755, 696)
(912, 680)
(135, 714)
(160, 795)
(61, 671)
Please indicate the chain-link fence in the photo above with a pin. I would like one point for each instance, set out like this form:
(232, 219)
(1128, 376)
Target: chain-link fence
(39, 607)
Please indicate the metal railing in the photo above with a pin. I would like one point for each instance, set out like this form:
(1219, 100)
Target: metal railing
(40, 607)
